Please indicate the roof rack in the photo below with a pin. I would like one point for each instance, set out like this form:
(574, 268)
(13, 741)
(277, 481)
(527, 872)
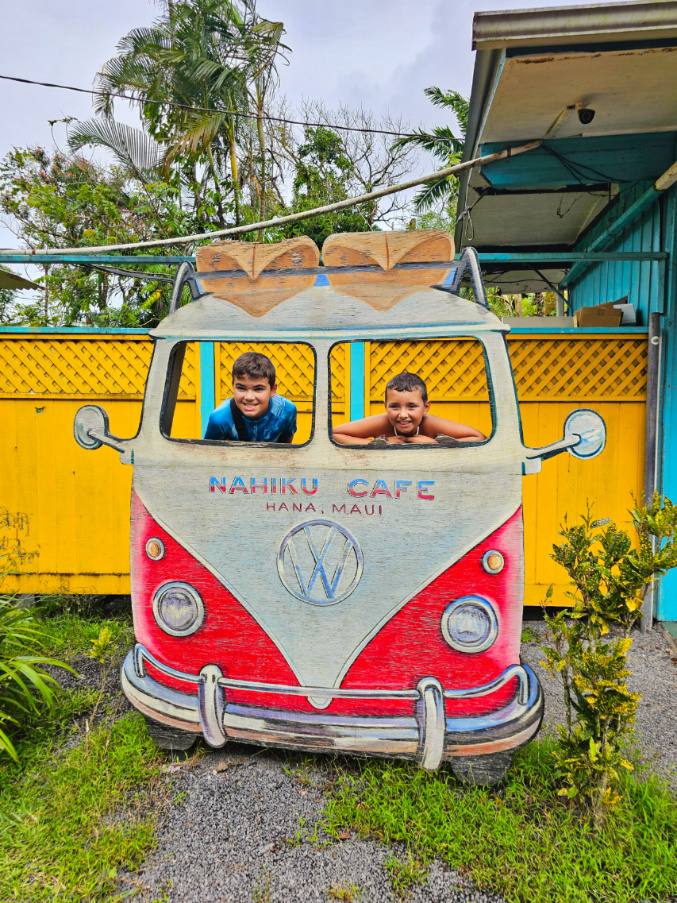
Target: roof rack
(469, 264)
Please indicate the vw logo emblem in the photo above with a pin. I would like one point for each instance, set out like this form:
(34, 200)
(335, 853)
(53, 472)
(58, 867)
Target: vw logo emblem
(320, 562)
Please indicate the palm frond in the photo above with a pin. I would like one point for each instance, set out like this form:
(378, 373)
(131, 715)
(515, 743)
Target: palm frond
(441, 142)
(434, 193)
(201, 134)
(135, 149)
(451, 100)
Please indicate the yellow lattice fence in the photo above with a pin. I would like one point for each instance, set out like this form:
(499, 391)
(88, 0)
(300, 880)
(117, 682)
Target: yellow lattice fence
(294, 366)
(585, 369)
(566, 368)
(83, 367)
(452, 370)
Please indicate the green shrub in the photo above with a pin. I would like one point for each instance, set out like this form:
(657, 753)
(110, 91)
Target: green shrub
(587, 645)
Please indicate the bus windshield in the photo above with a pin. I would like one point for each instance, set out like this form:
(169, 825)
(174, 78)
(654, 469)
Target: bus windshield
(240, 392)
(429, 391)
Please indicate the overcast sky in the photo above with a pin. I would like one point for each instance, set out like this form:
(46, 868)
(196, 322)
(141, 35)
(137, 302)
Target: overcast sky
(378, 53)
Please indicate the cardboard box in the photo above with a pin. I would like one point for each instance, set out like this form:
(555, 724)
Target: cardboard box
(601, 315)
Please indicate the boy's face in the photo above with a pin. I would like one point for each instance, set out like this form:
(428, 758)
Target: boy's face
(406, 410)
(252, 395)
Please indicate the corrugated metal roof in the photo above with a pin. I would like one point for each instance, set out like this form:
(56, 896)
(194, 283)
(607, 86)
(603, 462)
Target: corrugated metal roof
(562, 25)
(8, 279)
(534, 70)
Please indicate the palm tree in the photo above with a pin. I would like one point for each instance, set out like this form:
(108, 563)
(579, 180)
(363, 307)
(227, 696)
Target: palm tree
(190, 73)
(443, 145)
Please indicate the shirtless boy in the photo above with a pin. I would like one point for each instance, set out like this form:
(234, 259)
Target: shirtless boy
(406, 420)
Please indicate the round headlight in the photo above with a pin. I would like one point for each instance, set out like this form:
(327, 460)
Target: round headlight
(178, 609)
(469, 624)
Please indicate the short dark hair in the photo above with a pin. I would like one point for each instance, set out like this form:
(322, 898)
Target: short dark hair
(256, 365)
(407, 382)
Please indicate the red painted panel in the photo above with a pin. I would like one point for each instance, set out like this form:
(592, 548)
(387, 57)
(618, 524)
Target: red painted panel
(409, 646)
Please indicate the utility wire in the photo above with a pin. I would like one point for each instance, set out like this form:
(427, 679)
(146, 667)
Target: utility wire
(292, 217)
(244, 113)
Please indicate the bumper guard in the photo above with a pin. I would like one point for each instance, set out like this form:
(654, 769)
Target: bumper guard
(428, 736)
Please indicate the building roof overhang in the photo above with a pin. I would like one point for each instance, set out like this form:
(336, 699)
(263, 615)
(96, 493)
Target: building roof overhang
(534, 70)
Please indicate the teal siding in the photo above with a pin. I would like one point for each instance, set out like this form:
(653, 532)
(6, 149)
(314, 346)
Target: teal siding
(667, 596)
(652, 287)
(641, 281)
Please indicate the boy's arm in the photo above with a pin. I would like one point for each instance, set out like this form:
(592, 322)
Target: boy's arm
(440, 426)
(360, 432)
(213, 430)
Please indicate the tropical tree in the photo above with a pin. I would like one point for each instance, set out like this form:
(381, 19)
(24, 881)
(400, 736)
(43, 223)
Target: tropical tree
(59, 200)
(193, 73)
(444, 146)
(322, 177)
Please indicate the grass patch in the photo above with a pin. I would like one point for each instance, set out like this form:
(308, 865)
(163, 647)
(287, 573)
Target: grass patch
(521, 839)
(529, 635)
(69, 634)
(70, 819)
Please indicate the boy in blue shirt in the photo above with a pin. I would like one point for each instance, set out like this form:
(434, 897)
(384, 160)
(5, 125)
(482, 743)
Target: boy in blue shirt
(255, 413)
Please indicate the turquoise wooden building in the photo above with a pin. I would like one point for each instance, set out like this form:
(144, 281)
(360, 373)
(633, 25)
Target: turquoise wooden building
(594, 209)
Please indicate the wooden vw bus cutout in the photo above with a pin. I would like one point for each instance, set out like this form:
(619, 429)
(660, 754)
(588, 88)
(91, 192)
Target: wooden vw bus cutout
(271, 605)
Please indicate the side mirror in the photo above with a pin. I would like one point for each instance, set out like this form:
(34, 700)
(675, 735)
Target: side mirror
(584, 437)
(590, 430)
(91, 431)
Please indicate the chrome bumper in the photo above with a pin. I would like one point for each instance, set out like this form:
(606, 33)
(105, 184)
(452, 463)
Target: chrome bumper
(428, 736)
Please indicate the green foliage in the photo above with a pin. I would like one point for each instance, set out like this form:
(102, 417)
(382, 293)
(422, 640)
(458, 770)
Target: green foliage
(344, 893)
(213, 59)
(404, 874)
(58, 200)
(102, 646)
(71, 634)
(78, 816)
(528, 634)
(322, 176)
(610, 577)
(26, 688)
(520, 840)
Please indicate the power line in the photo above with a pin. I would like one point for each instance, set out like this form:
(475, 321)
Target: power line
(292, 217)
(244, 113)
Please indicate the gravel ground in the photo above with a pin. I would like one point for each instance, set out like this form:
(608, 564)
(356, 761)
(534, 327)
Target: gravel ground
(233, 835)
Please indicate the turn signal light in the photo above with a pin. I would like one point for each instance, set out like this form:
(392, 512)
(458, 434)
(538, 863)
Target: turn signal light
(155, 549)
(493, 562)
